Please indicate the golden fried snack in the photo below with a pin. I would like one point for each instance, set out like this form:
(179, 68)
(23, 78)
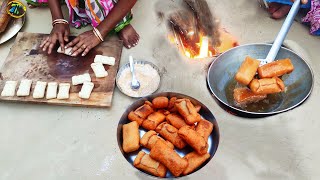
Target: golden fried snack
(188, 111)
(153, 120)
(276, 68)
(149, 103)
(194, 161)
(171, 106)
(194, 139)
(4, 16)
(144, 111)
(170, 133)
(267, 86)
(134, 117)
(176, 120)
(169, 158)
(150, 138)
(164, 111)
(145, 162)
(204, 128)
(160, 102)
(247, 70)
(131, 137)
(244, 96)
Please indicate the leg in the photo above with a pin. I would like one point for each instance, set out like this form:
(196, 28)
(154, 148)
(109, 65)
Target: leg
(129, 36)
(278, 10)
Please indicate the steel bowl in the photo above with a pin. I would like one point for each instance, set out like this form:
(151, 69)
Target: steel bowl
(221, 81)
(128, 66)
(13, 28)
(213, 140)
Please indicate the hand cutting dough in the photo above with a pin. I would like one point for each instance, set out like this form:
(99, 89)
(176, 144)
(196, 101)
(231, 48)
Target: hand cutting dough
(64, 89)
(39, 90)
(99, 70)
(86, 90)
(9, 89)
(24, 87)
(80, 79)
(66, 51)
(104, 60)
(52, 90)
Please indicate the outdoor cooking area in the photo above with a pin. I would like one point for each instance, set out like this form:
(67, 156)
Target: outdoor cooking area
(159, 89)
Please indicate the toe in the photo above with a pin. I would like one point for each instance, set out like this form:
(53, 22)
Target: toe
(273, 7)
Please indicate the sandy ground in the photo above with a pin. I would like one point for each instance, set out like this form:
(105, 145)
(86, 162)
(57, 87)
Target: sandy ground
(54, 142)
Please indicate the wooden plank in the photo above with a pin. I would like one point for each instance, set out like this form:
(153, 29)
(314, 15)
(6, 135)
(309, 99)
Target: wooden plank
(26, 60)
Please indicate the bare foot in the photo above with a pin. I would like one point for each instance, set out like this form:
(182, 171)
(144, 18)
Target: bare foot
(129, 36)
(278, 10)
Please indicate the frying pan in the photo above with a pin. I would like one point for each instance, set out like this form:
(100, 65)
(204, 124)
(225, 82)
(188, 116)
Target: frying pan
(299, 83)
(221, 81)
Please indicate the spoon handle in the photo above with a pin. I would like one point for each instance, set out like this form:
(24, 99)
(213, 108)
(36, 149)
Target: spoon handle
(283, 31)
(132, 67)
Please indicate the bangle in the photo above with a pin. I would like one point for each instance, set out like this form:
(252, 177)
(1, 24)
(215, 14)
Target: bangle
(98, 34)
(59, 21)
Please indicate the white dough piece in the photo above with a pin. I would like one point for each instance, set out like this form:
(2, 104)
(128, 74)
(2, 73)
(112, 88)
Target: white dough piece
(66, 51)
(9, 89)
(24, 87)
(99, 70)
(86, 90)
(64, 89)
(104, 60)
(52, 90)
(80, 79)
(39, 90)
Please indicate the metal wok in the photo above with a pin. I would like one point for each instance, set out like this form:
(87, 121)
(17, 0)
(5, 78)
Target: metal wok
(221, 81)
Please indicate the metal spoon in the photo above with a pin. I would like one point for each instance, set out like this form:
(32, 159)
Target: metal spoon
(282, 34)
(135, 85)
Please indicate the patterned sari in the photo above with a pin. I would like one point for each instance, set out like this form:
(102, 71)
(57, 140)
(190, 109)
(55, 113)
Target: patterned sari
(84, 12)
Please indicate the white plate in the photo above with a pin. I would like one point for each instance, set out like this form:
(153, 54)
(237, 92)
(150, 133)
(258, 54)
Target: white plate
(13, 28)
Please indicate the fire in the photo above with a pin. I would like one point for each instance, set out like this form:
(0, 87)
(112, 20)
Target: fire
(204, 47)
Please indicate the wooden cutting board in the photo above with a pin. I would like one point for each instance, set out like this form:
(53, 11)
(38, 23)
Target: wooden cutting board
(27, 61)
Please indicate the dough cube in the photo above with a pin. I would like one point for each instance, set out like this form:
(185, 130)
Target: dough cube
(24, 87)
(39, 90)
(80, 79)
(105, 60)
(64, 89)
(52, 90)
(9, 89)
(86, 90)
(99, 70)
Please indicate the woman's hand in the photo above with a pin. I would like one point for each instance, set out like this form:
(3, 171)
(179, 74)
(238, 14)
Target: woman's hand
(83, 43)
(60, 32)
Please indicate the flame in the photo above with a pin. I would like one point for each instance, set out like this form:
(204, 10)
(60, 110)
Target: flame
(188, 54)
(204, 47)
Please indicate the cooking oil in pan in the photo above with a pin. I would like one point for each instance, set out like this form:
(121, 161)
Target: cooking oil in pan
(271, 103)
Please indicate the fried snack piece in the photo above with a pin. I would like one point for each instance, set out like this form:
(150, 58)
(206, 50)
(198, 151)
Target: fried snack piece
(247, 70)
(267, 86)
(153, 120)
(194, 139)
(188, 111)
(150, 138)
(243, 96)
(176, 120)
(145, 162)
(149, 103)
(169, 158)
(204, 128)
(194, 161)
(144, 111)
(132, 116)
(131, 137)
(164, 111)
(276, 68)
(4, 16)
(170, 133)
(171, 106)
(160, 102)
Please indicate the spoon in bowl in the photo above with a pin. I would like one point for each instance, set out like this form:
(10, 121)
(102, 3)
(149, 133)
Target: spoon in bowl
(282, 34)
(135, 85)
